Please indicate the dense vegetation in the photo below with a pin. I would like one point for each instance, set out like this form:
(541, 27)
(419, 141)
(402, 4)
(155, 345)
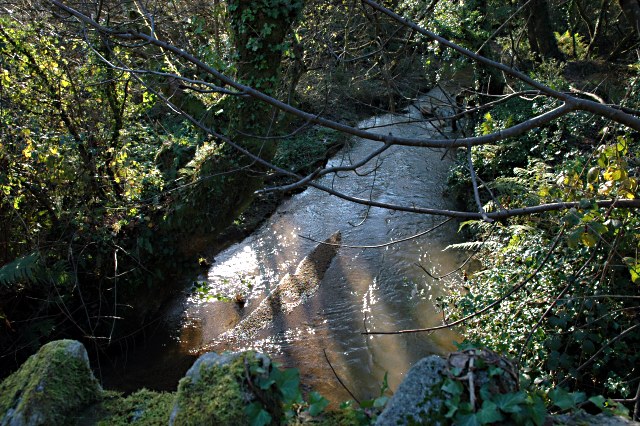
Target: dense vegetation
(131, 137)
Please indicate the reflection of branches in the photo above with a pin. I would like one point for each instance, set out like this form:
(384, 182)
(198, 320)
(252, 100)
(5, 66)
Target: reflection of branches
(491, 305)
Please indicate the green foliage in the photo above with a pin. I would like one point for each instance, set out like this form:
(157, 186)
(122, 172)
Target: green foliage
(22, 269)
(572, 45)
(574, 322)
(306, 150)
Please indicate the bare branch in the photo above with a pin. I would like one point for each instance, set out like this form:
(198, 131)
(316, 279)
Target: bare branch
(390, 243)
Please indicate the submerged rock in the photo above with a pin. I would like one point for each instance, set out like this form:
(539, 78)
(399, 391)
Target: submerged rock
(50, 387)
(290, 292)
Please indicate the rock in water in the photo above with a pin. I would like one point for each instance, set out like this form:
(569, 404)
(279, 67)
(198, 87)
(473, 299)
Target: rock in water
(49, 387)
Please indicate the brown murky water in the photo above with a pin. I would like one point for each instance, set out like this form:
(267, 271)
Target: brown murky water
(363, 289)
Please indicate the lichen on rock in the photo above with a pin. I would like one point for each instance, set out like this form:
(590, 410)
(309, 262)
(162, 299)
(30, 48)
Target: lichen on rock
(418, 399)
(50, 387)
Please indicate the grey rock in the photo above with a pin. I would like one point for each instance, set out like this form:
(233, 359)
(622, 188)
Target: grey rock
(583, 419)
(418, 399)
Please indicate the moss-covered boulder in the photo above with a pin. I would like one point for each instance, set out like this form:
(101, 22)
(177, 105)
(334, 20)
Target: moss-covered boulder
(218, 388)
(50, 388)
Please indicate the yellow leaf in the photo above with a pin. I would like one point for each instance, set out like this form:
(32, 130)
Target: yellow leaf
(588, 239)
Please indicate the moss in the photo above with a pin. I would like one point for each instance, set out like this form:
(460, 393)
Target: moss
(214, 394)
(144, 407)
(50, 386)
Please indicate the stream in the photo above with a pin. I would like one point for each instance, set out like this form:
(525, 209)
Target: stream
(363, 288)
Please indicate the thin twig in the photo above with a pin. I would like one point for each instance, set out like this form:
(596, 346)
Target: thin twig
(401, 240)
(595, 355)
(338, 377)
(474, 182)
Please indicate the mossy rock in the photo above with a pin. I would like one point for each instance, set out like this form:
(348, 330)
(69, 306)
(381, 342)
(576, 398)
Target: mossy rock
(50, 387)
(143, 407)
(217, 388)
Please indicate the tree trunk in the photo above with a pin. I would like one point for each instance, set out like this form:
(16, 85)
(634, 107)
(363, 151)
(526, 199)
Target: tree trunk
(539, 31)
(631, 10)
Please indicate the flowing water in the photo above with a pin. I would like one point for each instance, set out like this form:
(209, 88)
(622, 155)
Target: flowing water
(363, 289)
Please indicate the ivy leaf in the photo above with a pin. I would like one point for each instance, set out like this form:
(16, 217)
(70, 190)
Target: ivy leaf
(317, 403)
(573, 238)
(257, 415)
(588, 239)
(510, 402)
(598, 401)
(634, 269)
(467, 420)
(489, 413)
(288, 382)
(561, 399)
(452, 387)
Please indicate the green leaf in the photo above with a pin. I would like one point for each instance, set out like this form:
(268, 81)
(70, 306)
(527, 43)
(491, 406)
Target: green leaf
(537, 410)
(452, 387)
(588, 239)
(598, 401)
(367, 403)
(265, 383)
(288, 382)
(510, 402)
(22, 269)
(489, 413)
(573, 238)
(562, 399)
(380, 401)
(317, 403)
(453, 405)
(467, 420)
(257, 415)
(634, 269)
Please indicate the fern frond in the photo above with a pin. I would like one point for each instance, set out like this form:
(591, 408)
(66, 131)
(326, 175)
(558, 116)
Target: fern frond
(473, 245)
(22, 269)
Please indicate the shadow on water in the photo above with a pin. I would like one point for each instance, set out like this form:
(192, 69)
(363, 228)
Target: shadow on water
(363, 288)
